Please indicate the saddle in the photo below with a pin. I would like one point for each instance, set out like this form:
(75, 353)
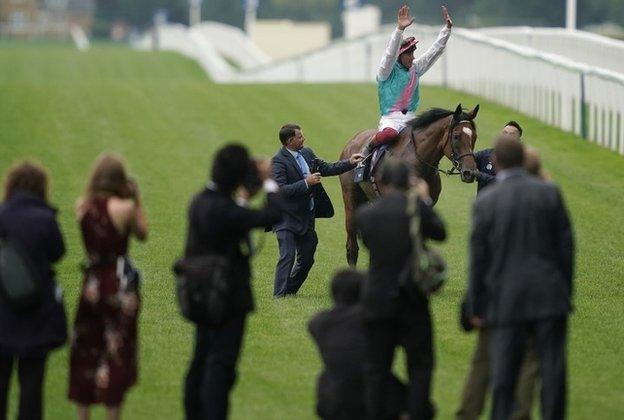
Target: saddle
(364, 173)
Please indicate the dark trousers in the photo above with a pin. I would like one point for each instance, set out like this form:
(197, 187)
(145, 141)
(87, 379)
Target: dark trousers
(412, 331)
(507, 345)
(478, 381)
(30, 372)
(295, 261)
(212, 372)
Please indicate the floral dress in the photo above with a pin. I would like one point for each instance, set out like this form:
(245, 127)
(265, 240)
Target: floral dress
(103, 360)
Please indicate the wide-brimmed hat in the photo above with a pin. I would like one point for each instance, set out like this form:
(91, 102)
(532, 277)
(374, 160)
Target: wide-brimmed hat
(408, 44)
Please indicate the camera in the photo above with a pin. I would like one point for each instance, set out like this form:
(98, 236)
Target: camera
(314, 167)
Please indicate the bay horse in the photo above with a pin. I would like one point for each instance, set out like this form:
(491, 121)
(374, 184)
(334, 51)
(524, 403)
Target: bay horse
(426, 139)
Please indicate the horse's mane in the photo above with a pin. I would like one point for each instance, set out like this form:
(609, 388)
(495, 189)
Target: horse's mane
(432, 115)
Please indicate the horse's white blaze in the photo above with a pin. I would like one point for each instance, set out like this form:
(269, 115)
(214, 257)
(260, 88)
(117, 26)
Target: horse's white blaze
(467, 130)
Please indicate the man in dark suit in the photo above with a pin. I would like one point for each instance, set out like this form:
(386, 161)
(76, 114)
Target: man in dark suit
(478, 379)
(486, 170)
(218, 225)
(396, 312)
(520, 283)
(340, 337)
(298, 172)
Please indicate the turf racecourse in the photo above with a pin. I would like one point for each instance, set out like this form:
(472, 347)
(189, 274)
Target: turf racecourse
(64, 108)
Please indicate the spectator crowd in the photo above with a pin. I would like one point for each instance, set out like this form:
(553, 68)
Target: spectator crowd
(518, 294)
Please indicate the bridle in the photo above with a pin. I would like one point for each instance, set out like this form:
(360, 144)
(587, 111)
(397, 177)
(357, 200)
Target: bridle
(455, 157)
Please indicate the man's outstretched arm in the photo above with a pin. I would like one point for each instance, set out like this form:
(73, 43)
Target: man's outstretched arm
(404, 19)
(425, 61)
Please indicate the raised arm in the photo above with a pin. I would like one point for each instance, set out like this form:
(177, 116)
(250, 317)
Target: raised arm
(244, 219)
(425, 61)
(404, 19)
(390, 56)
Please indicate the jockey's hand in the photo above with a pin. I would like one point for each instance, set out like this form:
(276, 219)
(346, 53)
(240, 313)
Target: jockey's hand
(404, 19)
(356, 158)
(313, 179)
(447, 17)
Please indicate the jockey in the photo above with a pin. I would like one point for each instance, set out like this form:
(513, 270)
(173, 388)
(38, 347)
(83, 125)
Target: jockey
(398, 74)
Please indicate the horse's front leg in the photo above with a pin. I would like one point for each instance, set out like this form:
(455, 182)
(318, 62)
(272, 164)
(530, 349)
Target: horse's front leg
(435, 187)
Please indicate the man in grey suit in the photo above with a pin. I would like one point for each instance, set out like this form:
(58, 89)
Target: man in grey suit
(520, 281)
(298, 173)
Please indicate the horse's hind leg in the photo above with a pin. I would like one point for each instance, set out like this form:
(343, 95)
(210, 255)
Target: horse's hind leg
(353, 249)
(348, 196)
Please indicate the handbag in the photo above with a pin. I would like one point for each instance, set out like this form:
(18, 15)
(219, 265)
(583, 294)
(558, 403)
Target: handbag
(428, 268)
(203, 288)
(20, 285)
(129, 276)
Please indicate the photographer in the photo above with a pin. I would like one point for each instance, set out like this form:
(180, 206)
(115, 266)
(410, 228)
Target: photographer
(396, 313)
(103, 360)
(298, 172)
(217, 225)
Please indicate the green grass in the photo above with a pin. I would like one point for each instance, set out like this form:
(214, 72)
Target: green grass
(64, 108)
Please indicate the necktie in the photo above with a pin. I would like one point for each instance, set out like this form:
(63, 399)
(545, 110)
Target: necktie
(303, 165)
(305, 169)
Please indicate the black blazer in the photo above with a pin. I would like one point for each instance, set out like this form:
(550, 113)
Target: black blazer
(384, 228)
(521, 252)
(217, 225)
(487, 173)
(288, 175)
(30, 222)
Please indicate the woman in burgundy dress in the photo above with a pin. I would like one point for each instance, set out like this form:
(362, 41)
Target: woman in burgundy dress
(103, 361)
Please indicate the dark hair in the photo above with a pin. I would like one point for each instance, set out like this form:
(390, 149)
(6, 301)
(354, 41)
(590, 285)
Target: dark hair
(346, 285)
(516, 125)
(109, 177)
(230, 167)
(287, 131)
(29, 177)
(509, 153)
(395, 173)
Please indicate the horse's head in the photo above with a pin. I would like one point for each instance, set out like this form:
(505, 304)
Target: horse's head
(462, 136)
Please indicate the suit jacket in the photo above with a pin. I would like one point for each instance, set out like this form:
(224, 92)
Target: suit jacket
(384, 228)
(521, 252)
(341, 339)
(217, 225)
(288, 175)
(487, 172)
(30, 223)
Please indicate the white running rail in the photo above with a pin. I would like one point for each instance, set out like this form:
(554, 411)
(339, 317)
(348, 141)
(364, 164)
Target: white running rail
(575, 97)
(585, 47)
